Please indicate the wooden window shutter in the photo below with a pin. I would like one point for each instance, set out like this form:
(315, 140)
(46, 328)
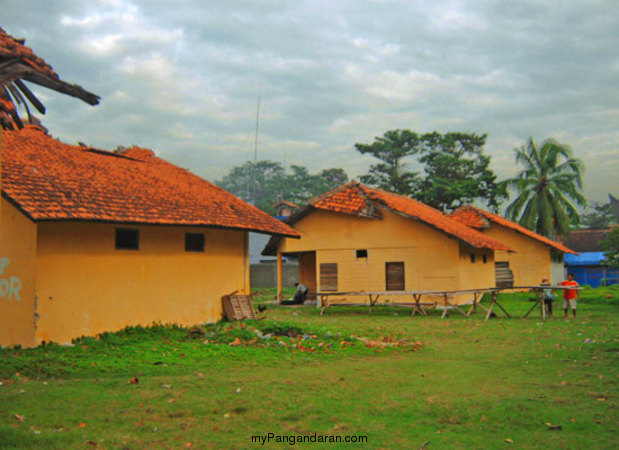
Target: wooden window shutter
(328, 276)
(503, 274)
(394, 274)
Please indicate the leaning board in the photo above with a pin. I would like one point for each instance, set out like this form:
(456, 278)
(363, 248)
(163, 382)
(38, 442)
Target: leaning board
(238, 307)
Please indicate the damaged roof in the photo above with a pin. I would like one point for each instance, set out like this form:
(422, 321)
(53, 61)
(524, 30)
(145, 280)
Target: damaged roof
(51, 181)
(479, 219)
(17, 63)
(357, 199)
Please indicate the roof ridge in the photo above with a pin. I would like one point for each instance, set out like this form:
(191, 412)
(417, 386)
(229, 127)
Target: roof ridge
(478, 212)
(333, 191)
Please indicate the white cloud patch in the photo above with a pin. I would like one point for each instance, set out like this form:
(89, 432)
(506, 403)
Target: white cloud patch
(453, 16)
(119, 28)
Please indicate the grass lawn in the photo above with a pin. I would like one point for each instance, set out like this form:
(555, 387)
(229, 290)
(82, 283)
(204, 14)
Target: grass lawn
(470, 384)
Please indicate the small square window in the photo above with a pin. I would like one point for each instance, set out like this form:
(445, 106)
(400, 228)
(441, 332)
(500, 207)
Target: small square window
(472, 257)
(485, 259)
(362, 253)
(127, 239)
(194, 242)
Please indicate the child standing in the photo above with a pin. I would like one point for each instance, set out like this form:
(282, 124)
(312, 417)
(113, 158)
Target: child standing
(547, 296)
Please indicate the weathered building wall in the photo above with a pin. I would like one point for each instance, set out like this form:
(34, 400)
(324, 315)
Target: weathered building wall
(85, 286)
(264, 275)
(476, 268)
(531, 261)
(432, 260)
(558, 272)
(18, 240)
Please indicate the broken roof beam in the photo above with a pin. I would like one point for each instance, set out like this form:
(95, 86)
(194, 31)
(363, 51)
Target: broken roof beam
(19, 63)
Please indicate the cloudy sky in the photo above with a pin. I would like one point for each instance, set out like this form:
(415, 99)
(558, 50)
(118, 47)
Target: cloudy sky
(183, 77)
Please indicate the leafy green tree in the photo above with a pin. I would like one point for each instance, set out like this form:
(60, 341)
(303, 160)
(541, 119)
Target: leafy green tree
(610, 245)
(392, 174)
(457, 171)
(264, 183)
(328, 179)
(257, 183)
(548, 188)
(599, 216)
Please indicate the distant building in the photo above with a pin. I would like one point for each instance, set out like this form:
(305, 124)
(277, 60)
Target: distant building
(534, 256)
(588, 269)
(587, 265)
(284, 209)
(357, 238)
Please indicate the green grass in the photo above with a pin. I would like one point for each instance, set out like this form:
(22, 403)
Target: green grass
(472, 384)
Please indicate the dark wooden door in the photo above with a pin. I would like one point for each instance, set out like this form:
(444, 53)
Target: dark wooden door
(394, 274)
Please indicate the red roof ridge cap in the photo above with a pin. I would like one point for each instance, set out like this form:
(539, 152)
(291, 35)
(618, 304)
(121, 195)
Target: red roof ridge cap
(328, 194)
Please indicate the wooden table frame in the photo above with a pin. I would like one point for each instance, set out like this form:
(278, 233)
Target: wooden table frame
(417, 305)
(420, 307)
(541, 298)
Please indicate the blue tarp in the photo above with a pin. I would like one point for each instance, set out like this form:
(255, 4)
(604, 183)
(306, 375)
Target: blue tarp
(584, 259)
(588, 269)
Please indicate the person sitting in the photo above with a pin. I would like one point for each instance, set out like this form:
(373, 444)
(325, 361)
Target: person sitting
(299, 296)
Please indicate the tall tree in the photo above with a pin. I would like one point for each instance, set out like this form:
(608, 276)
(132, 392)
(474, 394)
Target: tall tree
(328, 179)
(265, 182)
(457, 171)
(392, 174)
(598, 216)
(610, 245)
(548, 188)
(257, 183)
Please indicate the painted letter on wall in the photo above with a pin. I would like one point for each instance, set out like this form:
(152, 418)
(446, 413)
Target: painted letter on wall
(9, 286)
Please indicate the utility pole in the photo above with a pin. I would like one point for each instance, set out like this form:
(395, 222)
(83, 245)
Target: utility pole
(253, 176)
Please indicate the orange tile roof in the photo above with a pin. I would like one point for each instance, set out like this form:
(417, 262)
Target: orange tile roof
(49, 180)
(17, 62)
(11, 48)
(478, 218)
(355, 198)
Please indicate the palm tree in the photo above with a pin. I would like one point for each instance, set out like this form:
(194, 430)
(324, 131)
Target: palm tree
(549, 188)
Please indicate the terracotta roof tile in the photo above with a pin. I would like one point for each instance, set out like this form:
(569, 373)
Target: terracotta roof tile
(355, 198)
(472, 216)
(11, 48)
(50, 180)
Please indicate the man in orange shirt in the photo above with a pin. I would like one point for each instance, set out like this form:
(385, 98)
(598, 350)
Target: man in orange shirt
(569, 300)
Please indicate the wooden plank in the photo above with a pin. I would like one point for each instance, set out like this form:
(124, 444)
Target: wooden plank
(238, 307)
(394, 276)
(328, 277)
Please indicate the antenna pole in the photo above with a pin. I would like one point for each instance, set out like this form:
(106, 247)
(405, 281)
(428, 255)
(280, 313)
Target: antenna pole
(257, 126)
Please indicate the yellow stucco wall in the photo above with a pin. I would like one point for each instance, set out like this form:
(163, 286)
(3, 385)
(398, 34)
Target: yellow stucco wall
(85, 286)
(432, 260)
(18, 240)
(531, 260)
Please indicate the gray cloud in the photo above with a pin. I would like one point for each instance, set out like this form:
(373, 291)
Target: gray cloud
(182, 77)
